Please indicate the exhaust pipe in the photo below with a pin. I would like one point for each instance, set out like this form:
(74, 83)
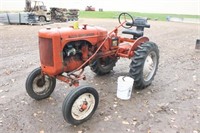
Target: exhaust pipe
(197, 44)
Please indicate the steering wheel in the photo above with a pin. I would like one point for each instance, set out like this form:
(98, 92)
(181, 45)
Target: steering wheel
(126, 18)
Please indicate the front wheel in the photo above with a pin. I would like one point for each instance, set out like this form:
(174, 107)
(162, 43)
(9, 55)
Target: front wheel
(39, 86)
(144, 65)
(80, 104)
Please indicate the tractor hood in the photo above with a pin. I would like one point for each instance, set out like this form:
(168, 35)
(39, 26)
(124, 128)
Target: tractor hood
(93, 34)
(88, 32)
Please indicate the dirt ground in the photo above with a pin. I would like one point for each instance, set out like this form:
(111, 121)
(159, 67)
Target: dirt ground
(170, 105)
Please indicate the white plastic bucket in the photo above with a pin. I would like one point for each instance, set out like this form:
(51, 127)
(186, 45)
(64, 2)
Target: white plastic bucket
(124, 87)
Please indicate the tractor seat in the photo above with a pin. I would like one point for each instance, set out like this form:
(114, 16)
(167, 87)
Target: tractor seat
(140, 24)
(135, 33)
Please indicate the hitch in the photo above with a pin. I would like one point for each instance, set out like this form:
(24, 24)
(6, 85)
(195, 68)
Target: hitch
(72, 79)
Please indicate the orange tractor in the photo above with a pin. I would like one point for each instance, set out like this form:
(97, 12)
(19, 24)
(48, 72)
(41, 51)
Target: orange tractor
(65, 52)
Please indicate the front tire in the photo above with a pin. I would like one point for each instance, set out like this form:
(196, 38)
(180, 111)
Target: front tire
(144, 65)
(39, 86)
(80, 104)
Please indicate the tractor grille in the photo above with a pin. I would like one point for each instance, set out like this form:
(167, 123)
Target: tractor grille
(46, 51)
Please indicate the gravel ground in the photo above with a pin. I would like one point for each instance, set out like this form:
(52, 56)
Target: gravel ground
(170, 105)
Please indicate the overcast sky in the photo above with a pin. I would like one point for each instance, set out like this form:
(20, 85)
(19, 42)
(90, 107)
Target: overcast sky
(151, 6)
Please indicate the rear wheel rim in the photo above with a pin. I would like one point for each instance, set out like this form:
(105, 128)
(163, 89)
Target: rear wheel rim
(150, 65)
(83, 106)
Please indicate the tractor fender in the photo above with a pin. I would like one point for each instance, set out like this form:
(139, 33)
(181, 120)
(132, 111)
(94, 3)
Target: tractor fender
(137, 43)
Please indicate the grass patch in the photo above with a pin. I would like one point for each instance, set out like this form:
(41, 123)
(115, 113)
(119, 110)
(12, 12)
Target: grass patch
(115, 14)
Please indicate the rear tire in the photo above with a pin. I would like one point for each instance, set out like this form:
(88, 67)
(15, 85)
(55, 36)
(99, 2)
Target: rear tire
(80, 104)
(103, 66)
(37, 88)
(144, 65)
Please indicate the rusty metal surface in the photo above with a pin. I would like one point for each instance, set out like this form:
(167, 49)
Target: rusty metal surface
(63, 14)
(46, 51)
